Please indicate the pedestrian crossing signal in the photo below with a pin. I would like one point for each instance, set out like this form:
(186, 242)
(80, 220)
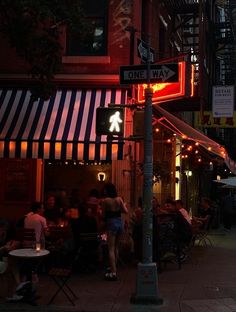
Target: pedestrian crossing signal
(109, 121)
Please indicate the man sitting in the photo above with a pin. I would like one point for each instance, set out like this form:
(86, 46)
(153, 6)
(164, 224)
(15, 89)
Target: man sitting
(206, 215)
(36, 221)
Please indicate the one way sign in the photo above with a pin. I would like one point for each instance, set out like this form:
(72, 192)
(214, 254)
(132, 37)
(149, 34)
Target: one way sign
(158, 73)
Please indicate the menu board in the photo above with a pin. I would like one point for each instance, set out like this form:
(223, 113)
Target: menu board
(18, 186)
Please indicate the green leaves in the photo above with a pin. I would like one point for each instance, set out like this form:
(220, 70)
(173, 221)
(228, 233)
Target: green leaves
(33, 28)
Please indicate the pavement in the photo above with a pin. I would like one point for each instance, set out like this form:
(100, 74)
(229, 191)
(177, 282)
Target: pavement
(205, 283)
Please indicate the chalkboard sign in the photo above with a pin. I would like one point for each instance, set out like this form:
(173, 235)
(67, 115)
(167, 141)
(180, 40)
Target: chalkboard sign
(18, 181)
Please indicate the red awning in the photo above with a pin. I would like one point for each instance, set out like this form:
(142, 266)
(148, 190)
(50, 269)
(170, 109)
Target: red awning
(185, 131)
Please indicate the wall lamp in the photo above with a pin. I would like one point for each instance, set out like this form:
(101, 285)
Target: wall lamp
(101, 176)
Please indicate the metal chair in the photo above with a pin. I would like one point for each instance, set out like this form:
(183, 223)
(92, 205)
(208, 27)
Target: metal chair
(202, 239)
(61, 274)
(201, 235)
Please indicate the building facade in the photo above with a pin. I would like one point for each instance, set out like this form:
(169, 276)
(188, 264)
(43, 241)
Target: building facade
(52, 146)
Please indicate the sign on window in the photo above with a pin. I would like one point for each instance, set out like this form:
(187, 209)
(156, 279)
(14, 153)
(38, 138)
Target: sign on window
(223, 101)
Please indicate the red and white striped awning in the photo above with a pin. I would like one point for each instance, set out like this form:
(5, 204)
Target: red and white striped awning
(185, 131)
(61, 128)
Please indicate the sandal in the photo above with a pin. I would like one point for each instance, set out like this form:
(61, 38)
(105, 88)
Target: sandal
(110, 277)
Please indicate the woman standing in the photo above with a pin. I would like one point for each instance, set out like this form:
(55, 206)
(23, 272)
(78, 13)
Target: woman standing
(112, 207)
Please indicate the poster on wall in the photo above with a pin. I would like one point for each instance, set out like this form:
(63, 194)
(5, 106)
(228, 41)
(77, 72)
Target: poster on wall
(17, 186)
(223, 101)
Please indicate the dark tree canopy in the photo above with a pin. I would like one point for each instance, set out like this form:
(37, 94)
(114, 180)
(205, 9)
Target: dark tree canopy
(32, 28)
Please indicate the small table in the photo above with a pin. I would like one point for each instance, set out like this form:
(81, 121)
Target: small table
(29, 253)
(29, 256)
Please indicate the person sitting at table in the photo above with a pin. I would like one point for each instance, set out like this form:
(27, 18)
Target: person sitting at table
(174, 230)
(206, 215)
(183, 226)
(52, 212)
(37, 222)
(183, 211)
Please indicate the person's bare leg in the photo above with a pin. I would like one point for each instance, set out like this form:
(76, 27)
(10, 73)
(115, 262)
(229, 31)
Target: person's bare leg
(117, 245)
(111, 250)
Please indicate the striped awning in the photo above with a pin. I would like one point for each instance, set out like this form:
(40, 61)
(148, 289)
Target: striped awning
(61, 128)
(185, 131)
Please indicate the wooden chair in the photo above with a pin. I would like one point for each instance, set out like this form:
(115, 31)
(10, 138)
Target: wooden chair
(88, 251)
(26, 236)
(58, 232)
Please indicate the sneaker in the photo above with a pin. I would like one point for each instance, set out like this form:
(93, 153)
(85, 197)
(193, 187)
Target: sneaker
(22, 285)
(14, 298)
(111, 277)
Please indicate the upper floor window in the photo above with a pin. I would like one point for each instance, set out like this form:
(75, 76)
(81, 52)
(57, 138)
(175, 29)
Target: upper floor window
(95, 40)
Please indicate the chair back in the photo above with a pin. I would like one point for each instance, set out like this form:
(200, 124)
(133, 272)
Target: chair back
(58, 232)
(26, 236)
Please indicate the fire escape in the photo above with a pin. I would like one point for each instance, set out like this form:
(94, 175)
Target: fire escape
(207, 30)
(225, 45)
(225, 28)
(185, 22)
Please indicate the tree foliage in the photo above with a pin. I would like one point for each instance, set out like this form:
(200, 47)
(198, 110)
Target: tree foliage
(33, 28)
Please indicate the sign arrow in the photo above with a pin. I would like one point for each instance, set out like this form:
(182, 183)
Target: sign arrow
(164, 73)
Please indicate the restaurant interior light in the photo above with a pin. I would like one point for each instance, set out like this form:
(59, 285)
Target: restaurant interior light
(188, 173)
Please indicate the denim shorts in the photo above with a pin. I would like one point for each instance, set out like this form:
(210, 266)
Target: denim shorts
(115, 225)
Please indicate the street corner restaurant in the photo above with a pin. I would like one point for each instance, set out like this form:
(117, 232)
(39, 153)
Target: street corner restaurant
(53, 146)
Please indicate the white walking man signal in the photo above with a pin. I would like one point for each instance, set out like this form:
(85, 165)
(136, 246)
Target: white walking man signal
(115, 120)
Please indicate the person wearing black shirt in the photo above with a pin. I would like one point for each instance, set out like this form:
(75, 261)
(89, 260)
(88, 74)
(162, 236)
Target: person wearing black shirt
(206, 214)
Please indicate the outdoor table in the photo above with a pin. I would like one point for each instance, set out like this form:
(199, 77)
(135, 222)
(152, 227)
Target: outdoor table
(31, 258)
(29, 253)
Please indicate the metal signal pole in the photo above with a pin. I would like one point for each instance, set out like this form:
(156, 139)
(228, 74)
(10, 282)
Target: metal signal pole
(146, 284)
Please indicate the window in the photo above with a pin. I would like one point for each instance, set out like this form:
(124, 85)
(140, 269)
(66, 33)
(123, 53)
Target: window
(95, 41)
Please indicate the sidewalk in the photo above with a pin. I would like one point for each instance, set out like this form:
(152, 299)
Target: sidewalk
(206, 283)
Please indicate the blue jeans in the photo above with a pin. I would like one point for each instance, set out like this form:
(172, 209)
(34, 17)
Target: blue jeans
(115, 225)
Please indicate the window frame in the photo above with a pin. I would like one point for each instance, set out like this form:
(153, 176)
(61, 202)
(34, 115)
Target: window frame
(73, 51)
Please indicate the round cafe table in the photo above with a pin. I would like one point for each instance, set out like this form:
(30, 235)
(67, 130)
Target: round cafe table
(29, 253)
(30, 259)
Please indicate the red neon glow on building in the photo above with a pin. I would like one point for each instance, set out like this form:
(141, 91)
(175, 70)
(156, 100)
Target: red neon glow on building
(168, 91)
